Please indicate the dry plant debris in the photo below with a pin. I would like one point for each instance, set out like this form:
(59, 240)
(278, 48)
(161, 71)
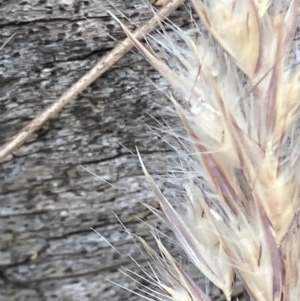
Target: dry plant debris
(241, 112)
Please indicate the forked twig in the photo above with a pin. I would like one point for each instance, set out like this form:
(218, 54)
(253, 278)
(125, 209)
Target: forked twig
(102, 65)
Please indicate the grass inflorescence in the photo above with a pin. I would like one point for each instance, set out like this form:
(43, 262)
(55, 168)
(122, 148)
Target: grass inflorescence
(240, 86)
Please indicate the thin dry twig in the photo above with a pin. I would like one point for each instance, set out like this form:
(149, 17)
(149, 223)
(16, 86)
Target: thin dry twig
(7, 41)
(103, 65)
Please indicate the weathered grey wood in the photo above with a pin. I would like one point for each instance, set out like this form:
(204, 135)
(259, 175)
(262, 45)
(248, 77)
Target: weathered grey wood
(48, 202)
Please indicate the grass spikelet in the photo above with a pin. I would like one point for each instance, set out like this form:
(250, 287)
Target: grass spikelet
(241, 108)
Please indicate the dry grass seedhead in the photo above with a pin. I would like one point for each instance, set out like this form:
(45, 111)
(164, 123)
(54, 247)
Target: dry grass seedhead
(241, 95)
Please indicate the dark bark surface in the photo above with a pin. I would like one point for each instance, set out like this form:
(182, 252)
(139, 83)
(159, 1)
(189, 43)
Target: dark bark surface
(48, 201)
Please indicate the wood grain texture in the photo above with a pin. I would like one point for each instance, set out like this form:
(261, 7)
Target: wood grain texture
(48, 201)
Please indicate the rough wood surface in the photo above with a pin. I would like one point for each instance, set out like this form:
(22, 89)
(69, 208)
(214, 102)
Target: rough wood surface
(48, 202)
